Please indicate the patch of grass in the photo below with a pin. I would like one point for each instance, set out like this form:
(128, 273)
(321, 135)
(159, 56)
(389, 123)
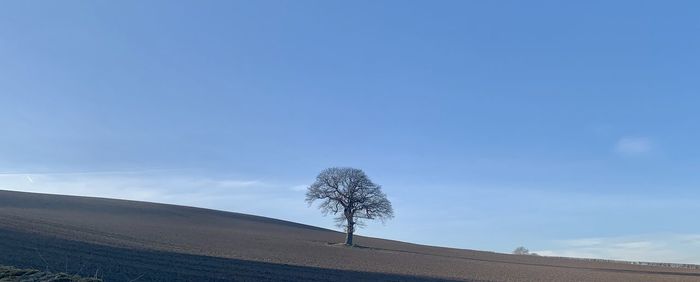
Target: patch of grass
(11, 274)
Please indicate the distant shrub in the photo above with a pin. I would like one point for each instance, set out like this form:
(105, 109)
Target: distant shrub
(521, 251)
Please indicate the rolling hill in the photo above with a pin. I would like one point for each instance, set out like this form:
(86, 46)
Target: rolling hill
(120, 240)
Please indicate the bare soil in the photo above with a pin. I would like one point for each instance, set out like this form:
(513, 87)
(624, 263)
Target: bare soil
(127, 240)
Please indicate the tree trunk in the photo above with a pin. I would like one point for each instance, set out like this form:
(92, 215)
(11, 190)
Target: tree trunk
(350, 230)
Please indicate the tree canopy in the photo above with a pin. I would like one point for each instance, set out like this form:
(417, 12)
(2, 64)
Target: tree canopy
(350, 195)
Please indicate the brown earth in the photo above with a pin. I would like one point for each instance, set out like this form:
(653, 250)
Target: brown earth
(136, 241)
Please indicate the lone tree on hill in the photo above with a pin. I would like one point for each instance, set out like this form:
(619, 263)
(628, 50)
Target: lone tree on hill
(350, 195)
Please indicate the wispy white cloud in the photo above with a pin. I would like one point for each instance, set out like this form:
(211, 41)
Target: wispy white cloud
(144, 186)
(299, 188)
(632, 146)
(585, 242)
(675, 248)
(239, 183)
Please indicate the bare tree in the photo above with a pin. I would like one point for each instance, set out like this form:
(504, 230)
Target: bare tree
(350, 195)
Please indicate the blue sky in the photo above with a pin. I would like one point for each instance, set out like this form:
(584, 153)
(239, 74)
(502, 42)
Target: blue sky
(569, 128)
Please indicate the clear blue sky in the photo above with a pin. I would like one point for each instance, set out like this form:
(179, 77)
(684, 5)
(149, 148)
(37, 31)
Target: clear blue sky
(570, 128)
